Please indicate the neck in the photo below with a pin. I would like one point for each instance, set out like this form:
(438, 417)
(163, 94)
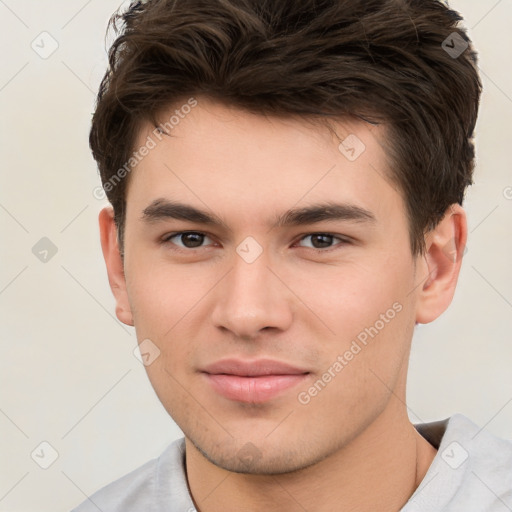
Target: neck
(378, 470)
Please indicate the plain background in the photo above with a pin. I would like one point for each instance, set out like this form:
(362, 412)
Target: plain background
(68, 373)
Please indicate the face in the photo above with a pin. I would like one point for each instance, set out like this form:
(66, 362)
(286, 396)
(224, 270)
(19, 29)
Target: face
(282, 314)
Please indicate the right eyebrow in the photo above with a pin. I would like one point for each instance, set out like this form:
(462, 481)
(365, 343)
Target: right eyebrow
(162, 209)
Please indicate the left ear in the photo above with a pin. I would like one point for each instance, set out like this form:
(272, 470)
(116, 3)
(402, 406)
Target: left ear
(441, 264)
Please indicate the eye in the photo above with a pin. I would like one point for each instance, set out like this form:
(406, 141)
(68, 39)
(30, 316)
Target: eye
(322, 240)
(186, 239)
(195, 239)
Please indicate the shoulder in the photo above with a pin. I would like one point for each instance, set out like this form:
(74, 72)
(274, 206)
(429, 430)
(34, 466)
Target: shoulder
(472, 470)
(159, 482)
(479, 449)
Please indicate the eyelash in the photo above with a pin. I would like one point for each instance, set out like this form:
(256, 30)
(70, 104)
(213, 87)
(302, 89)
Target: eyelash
(167, 241)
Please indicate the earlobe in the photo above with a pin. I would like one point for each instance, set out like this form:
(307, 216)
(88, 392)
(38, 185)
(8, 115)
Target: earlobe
(114, 263)
(442, 261)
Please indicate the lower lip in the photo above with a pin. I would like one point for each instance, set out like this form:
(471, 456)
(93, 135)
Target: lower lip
(253, 389)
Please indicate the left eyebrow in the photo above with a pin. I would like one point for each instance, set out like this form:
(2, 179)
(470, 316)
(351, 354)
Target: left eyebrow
(162, 209)
(325, 212)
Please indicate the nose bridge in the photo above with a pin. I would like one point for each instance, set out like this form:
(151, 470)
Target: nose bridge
(250, 278)
(251, 297)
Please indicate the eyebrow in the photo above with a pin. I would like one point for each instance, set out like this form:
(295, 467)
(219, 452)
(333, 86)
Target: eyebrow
(163, 209)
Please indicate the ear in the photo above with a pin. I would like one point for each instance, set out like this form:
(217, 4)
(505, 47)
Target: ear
(115, 269)
(440, 265)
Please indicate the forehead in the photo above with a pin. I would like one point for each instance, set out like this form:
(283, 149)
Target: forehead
(218, 156)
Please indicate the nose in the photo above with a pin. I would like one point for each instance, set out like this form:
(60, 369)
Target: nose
(252, 298)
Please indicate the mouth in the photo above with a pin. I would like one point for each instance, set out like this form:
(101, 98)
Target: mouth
(253, 381)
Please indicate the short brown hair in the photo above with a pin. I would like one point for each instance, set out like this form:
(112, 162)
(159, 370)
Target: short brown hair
(404, 63)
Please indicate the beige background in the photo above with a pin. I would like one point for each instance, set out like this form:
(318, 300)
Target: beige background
(67, 369)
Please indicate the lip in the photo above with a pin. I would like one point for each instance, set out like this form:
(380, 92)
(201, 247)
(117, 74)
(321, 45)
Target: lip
(254, 368)
(254, 381)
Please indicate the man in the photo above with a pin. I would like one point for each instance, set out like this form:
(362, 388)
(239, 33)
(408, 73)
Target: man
(286, 181)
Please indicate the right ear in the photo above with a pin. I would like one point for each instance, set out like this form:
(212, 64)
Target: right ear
(114, 263)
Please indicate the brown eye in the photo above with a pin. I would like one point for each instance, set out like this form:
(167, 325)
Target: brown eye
(187, 240)
(321, 240)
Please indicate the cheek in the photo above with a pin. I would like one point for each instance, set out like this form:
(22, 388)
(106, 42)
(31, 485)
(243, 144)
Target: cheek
(363, 365)
(161, 294)
(352, 295)
(165, 302)
(368, 310)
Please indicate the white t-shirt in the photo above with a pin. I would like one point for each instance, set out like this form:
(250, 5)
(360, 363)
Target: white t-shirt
(472, 472)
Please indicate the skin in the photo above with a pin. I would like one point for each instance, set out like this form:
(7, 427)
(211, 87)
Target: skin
(298, 302)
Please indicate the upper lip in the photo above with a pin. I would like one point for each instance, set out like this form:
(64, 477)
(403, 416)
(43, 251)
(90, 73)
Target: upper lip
(254, 368)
